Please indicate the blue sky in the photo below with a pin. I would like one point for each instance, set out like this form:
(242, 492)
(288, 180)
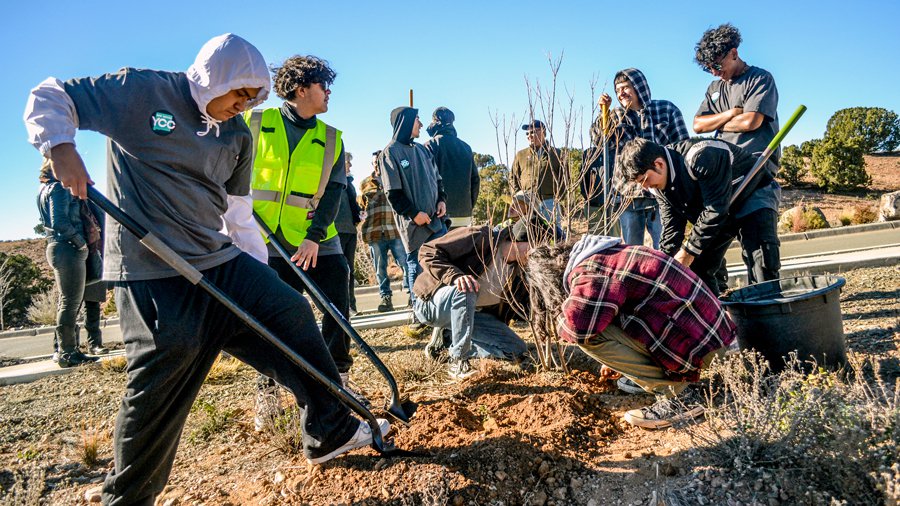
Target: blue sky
(472, 57)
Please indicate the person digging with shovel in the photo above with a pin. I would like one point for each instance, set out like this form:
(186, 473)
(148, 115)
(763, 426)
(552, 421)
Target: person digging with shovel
(176, 150)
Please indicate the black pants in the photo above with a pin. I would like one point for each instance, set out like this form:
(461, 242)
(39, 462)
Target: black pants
(758, 235)
(330, 275)
(348, 246)
(173, 332)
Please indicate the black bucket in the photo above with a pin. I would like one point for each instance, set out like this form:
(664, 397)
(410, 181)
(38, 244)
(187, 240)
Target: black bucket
(801, 314)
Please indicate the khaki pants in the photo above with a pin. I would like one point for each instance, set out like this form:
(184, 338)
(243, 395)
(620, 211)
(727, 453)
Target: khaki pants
(619, 352)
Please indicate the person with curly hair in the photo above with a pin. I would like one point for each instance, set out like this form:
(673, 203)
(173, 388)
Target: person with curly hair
(635, 310)
(740, 107)
(298, 181)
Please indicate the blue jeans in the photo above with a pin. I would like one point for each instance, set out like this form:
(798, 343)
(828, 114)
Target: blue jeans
(412, 262)
(379, 251)
(640, 215)
(453, 309)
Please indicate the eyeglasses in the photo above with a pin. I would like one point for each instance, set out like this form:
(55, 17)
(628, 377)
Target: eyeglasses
(325, 87)
(717, 66)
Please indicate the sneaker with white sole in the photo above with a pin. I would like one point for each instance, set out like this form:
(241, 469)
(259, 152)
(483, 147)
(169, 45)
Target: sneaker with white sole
(363, 437)
(630, 387)
(664, 413)
(353, 389)
(460, 369)
(268, 404)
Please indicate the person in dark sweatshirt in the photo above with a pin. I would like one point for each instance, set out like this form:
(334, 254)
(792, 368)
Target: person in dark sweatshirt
(639, 116)
(348, 218)
(414, 188)
(456, 165)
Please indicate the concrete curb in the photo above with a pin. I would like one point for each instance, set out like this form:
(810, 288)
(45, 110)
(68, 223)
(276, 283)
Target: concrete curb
(830, 232)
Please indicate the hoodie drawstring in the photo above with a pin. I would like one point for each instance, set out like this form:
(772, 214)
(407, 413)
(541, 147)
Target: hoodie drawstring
(210, 122)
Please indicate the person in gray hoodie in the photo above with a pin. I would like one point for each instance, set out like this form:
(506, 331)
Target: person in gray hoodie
(177, 149)
(456, 165)
(414, 188)
(638, 116)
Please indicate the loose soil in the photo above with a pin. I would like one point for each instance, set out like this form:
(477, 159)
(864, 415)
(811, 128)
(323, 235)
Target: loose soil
(509, 435)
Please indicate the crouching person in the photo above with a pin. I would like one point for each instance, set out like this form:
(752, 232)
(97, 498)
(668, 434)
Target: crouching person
(467, 269)
(636, 311)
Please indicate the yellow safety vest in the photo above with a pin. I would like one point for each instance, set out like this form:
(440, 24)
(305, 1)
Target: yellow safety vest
(286, 187)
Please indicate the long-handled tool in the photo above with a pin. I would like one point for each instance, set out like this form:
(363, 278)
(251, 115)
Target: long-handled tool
(770, 150)
(604, 126)
(170, 257)
(403, 411)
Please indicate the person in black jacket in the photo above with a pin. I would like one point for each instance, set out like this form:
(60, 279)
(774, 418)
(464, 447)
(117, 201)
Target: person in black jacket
(456, 165)
(67, 253)
(694, 181)
(348, 218)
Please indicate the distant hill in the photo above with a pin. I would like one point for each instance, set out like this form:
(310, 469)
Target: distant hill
(35, 249)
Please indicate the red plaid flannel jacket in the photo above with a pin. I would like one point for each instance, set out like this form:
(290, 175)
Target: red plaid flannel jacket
(654, 299)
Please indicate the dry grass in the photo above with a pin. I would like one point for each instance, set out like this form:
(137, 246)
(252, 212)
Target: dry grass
(42, 310)
(114, 364)
(858, 214)
(93, 439)
(839, 432)
(225, 370)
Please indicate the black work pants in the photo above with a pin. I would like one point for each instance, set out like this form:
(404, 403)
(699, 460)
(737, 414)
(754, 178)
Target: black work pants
(758, 236)
(348, 246)
(173, 332)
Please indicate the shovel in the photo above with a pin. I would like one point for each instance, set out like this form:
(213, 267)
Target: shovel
(770, 150)
(403, 411)
(169, 256)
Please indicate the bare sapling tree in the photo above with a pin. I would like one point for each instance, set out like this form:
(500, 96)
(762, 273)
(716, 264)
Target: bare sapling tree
(7, 281)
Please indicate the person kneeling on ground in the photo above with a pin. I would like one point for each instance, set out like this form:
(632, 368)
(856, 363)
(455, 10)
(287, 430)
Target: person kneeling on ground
(636, 311)
(467, 269)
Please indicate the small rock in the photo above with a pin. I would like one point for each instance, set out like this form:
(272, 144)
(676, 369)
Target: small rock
(172, 501)
(539, 498)
(667, 469)
(279, 477)
(560, 493)
(592, 502)
(543, 469)
(551, 481)
(575, 483)
(93, 494)
(501, 475)
(627, 455)
(458, 500)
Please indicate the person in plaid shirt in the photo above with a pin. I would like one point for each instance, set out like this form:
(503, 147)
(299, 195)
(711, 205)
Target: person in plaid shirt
(639, 116)
(380, 233)
(635, 310)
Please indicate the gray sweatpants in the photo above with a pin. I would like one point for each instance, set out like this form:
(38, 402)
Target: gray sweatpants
(173, 332)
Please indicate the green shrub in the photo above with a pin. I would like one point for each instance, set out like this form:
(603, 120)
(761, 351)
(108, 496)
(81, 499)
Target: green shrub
(20, 280)
(838, 164)
(871, 128)
(793, 165)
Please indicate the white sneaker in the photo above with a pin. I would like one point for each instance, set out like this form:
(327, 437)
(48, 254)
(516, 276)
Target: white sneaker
(268, 407)
(353, 389)
(363, 437)
(460, 369)
(663, 413)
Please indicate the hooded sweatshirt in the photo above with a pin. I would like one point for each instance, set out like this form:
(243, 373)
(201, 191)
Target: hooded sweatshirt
(456, 165)
(411, 180)
(659, 121)
(171, 164)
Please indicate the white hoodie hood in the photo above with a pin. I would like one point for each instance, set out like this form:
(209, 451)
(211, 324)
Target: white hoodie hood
(226, 63)
(586, 247)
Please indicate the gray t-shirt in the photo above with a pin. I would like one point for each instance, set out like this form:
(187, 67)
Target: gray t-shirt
(160, 172)
(411, 168)
(754, 91)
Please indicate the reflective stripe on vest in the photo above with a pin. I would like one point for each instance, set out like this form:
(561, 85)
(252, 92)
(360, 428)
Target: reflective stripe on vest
(286, 188)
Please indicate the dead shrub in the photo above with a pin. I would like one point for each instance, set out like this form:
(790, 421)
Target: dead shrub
(225, 370)
(808, 218)
(805, 426)
(93, 438)
(858, 214)
(114, 364)
(42, 310)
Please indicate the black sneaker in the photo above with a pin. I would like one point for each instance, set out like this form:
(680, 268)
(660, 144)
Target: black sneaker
(386, 304)
(74, 359)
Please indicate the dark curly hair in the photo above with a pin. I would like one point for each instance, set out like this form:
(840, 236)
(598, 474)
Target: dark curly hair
(546, 265)
(636, 158)
(715, 43)
(300, 72)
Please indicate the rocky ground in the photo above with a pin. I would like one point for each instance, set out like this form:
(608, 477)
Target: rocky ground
(509, 435)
